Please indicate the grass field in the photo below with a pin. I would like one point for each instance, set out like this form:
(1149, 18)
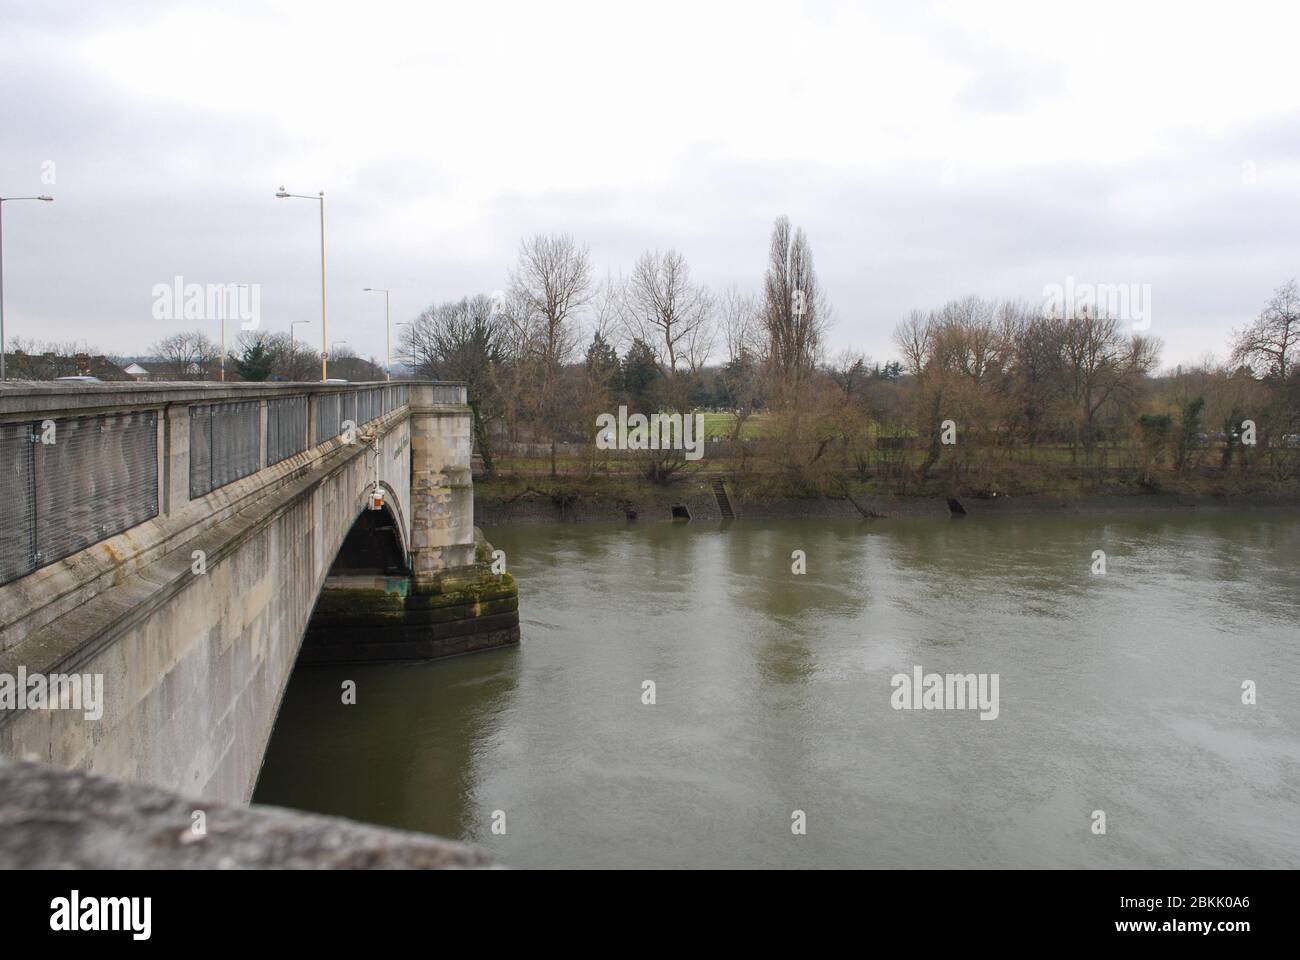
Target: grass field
(721, 425)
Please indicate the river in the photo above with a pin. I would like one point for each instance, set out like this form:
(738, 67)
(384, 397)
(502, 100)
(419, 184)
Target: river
(1118, 692)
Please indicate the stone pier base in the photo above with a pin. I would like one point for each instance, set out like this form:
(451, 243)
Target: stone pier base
(367, 618)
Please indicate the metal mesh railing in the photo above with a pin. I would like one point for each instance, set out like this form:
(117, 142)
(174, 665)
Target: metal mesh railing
(225, 444)
(348, 408)
(370, 405)
(98, 478)
(67, 484)
(286, 428)
(17, 502)
(327, 417)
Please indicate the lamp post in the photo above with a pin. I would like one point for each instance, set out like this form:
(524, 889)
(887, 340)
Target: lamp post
(324, 327)
(388, 330)
(3, 201)
(292, 324)
(237, 286)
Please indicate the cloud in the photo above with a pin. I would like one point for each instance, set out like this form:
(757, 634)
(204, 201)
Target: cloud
(928, 152)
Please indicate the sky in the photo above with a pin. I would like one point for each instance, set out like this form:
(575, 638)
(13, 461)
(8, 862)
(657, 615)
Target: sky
(928, 150)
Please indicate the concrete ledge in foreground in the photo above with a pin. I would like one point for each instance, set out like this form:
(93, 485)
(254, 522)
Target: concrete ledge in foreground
(53, 819)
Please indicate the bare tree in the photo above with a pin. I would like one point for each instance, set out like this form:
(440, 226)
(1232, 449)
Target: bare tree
(740, 320)
(187, 356)
(549, 285)
(1271, 345)
(795, 312)
(607, 311)
(463, 340)
(295, 361)
(346, 364)
(1100, 365)
(913, 337)
(665, 308)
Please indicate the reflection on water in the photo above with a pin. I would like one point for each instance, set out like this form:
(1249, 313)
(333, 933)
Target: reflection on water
(1119, 693)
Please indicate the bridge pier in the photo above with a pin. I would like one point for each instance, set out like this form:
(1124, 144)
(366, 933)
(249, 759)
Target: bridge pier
(442, 492)
(361, 618)
(451, 602)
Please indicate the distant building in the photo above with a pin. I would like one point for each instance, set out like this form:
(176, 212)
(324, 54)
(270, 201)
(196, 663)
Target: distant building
(156, 370)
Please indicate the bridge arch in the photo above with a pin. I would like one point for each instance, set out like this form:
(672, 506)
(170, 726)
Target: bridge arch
(377, 541)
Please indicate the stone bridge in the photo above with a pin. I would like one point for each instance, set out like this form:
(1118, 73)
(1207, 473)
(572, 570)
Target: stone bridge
(168, 543)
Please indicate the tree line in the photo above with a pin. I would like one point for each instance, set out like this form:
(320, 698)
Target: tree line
(192, 355)
(557, 347)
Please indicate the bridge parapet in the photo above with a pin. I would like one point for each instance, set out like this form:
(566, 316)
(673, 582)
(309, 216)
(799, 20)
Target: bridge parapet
(81, 463)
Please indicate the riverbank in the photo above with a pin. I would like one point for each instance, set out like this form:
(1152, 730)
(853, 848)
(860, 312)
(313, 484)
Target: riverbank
(510, 501)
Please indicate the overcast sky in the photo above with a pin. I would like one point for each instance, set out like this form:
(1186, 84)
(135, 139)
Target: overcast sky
(928, 150)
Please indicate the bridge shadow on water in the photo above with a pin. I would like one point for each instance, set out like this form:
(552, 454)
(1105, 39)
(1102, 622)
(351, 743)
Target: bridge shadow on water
(332, 757)
(339, 746)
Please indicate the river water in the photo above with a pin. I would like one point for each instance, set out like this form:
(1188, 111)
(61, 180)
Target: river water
(1118, 692)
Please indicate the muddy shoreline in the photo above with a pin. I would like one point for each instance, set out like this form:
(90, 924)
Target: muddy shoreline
(650, 504)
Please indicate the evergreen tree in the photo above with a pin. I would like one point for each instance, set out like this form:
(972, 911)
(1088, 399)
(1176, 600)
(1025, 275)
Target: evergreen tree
(255, 360)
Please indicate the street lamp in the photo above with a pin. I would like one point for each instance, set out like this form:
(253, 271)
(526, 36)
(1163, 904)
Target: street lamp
(324, 328)
(237, 286)
(292, 324)
(388, 329)
(3, 200)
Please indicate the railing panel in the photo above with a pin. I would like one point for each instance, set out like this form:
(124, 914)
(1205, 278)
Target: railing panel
(98, 478)
(225, 444)
(236, 441)
(200, 452)
(370, 405)
(348, 407)
(286, 428)
(17, 502)
(327, 417)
